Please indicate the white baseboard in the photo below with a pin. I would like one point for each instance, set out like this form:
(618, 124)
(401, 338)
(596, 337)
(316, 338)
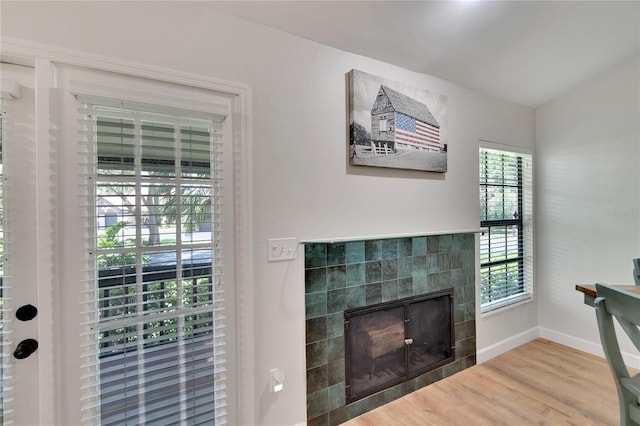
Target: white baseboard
(505, 345)
(485, 354)
(572, 341)
(632, 360)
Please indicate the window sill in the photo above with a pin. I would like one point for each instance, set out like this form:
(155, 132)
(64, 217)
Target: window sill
(511, 304)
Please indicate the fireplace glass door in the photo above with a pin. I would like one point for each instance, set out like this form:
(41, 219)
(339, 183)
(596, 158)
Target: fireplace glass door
(429, 326)
(376, 346)
(389, 343)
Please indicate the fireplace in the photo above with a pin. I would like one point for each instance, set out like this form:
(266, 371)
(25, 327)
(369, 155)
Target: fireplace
(355, 275)
(390, 343)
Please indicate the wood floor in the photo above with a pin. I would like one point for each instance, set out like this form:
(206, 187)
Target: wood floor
(539, 383)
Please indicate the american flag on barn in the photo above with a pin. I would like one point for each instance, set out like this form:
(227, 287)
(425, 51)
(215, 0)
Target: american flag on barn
(400, 122)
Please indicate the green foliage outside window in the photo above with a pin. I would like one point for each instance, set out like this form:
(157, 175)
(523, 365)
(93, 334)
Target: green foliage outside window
(110, 240)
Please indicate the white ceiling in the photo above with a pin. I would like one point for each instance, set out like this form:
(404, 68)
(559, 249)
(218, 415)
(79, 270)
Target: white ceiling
(527, 52)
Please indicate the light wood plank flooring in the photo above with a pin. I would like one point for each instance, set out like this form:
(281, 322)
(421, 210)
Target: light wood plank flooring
(540, 383)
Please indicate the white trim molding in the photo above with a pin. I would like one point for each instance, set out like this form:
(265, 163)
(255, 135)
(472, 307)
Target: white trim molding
(25, 52)
(512, 342)
(485, 354)
(632, 360)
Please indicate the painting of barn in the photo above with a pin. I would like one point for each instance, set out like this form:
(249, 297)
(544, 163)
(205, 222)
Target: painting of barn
(396, 126)
(402, 122)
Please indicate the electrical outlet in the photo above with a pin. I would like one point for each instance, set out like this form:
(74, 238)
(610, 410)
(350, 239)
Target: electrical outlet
(276, 379)
(281, 249)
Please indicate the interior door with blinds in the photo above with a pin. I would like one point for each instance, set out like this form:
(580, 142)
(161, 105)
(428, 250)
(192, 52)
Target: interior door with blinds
(143, 263)
(21, 371)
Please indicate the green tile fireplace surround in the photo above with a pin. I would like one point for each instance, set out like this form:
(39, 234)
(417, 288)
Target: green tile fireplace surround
(345, 275)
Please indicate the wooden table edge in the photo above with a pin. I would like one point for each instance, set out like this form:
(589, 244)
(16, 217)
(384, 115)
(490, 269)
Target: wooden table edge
(590, 289)
(587, 289)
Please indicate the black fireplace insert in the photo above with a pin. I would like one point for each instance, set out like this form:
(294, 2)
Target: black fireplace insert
(389, 343)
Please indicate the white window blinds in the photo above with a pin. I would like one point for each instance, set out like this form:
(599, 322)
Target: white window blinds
(155, 342)
(506, 248)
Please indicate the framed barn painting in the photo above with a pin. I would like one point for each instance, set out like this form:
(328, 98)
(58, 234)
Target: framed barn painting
(397, 126)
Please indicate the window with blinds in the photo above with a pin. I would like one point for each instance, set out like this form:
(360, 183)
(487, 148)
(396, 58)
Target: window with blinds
(506, 228)
(157, 339)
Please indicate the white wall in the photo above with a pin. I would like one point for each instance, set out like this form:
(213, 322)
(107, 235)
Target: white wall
(302, 183)
(588, 206)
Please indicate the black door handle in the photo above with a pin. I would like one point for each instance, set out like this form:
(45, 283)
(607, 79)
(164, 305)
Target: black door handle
(25, 348)
(26, 312)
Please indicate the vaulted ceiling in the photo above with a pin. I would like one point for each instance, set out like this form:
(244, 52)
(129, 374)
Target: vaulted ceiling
(527, 52)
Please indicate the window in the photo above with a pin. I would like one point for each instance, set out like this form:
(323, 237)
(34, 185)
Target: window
(384, 126)
(506, 228)
(155, 208)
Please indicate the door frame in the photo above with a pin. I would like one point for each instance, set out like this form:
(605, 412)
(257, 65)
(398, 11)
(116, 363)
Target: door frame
(241, 398)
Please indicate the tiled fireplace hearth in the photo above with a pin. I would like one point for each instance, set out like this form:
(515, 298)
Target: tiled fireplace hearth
(346, 275)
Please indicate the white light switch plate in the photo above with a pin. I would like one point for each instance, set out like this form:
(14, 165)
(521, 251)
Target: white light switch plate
(281, 249)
